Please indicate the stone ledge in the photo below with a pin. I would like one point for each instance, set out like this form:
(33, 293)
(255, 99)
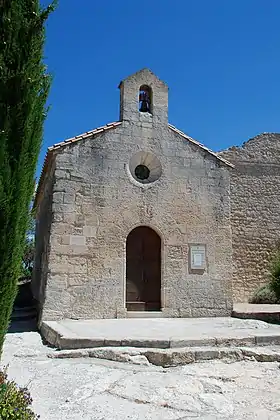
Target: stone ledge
(69, 336)
(171, 357)
(262, 312)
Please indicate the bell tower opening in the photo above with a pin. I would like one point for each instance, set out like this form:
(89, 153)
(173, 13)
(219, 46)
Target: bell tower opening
(145, 99)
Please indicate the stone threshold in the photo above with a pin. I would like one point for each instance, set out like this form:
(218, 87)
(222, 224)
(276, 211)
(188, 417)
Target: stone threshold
(140, 333)
(172, 357)
(144, 314)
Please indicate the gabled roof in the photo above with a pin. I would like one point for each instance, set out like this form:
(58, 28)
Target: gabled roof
(52, 149)
(201, 146)
(56, 147)
(84, 135)
(146, 72)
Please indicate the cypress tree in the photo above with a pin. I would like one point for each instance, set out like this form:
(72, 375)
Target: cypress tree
(24, 87)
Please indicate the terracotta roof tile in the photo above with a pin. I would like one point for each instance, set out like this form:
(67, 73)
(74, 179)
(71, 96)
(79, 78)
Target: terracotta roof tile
(57, 146)
(84, 135)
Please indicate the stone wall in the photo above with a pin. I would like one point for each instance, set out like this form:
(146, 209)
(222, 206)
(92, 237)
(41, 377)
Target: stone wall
(42, 239)
(255, 208)
(96, 204)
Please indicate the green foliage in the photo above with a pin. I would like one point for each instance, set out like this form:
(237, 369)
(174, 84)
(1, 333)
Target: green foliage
(29, 249)
(274, 272)
(270, 293)
(24, 87)
(28, 258)
(15, 402)
(264, 294)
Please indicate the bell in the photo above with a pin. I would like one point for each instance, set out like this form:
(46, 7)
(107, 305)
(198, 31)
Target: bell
(144, 106)
(144, 101)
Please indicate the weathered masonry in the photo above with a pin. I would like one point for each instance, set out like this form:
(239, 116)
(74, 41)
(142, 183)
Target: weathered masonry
(255, 211)
(134, 217)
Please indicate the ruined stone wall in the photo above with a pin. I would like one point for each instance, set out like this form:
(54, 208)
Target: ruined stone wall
(255, 210)
(96, 203)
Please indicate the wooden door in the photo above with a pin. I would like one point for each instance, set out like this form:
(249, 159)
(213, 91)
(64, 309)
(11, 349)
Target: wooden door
(143, 270)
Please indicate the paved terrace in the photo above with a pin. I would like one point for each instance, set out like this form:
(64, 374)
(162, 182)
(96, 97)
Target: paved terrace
(159, 332)
(265, 312)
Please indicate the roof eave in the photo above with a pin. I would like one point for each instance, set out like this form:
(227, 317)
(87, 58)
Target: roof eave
(52, 151)
(200, 145)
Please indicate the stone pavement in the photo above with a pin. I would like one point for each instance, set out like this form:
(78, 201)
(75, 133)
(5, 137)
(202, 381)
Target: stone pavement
(92, 389)
(268, 313)
(159, 332)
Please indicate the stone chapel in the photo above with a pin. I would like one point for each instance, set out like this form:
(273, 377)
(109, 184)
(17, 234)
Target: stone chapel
(135, 218)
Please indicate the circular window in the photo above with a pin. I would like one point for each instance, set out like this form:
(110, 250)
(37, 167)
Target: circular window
(145, 167)
(142, 172)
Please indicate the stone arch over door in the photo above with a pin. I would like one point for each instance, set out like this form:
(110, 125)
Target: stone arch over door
(143, 270)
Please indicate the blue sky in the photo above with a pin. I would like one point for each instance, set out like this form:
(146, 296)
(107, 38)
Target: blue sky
(220, 58)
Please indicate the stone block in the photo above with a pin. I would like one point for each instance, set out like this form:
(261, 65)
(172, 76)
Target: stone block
(76, 280)
(60, 268)
(61, 174)
(65, 240)
(69, 354)
(112, 343)
(170, 358)
(185, 312)
(61, 228)
(174, 342)
(267, 339)
(79, 268)
(207, 354)
(79, 250)
(58, 197)
(160, 344)
(261, 354)
(231, 353)
(69, 218)
(235, 341)
(89, 231)
(77, 240)
(66, 343)
(69, 198)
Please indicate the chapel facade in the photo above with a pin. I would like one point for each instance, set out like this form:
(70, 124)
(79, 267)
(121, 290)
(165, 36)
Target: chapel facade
(134, 218)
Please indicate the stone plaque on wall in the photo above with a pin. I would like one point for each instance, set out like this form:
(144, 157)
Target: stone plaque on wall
(198, 257)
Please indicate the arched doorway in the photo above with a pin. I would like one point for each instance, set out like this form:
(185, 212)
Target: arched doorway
(143, 270)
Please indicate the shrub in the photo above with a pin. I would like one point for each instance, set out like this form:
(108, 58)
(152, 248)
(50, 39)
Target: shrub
(264, 294)
(24, 88)
(274, 271)
(15, 401)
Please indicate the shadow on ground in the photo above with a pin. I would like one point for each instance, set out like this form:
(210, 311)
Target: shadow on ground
(22, 326)
(24, 315)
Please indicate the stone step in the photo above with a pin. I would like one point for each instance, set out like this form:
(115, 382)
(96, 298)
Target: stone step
(26, 313)
(136, 306)
(144, 314)
(262, 312)
(162, 333)
(173, 357)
